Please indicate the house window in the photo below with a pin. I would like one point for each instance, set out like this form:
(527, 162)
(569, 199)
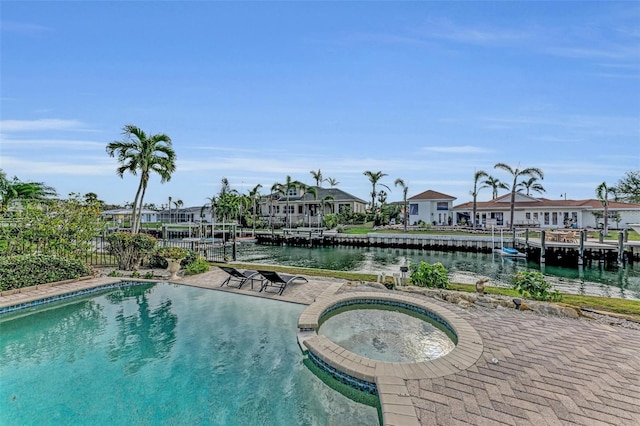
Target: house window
(546, 218)
(299, 209)
(535, 216)
(554, 218)
(527, 215)
(413, 209)
(442, 205)
(292, 192)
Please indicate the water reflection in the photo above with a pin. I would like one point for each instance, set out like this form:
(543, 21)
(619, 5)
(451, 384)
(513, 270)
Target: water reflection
(52, 333)
(616, 282)
(144, 332)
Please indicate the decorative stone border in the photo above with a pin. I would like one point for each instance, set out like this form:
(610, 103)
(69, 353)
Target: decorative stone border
(388, 377)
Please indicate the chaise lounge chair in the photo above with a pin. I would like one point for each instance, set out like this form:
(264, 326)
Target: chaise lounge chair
(241, 278)
(280, 281)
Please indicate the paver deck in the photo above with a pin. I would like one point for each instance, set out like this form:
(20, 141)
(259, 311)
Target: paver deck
(534, 370)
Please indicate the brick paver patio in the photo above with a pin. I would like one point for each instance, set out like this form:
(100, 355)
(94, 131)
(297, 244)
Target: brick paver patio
(534, 370)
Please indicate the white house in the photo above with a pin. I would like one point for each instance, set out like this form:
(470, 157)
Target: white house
(545, 213)
(431, 207)
(124, 215)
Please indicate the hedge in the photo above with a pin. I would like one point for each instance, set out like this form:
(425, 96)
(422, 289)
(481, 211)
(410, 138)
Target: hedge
(34, 269)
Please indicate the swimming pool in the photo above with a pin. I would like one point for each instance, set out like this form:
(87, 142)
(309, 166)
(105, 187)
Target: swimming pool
(162, 353)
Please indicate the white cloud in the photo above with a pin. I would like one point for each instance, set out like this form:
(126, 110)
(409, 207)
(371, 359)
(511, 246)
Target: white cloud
(50, 143)
(20, 167)
(462, 149)
(40, 125)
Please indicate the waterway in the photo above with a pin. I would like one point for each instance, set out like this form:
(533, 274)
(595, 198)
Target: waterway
(464, 266)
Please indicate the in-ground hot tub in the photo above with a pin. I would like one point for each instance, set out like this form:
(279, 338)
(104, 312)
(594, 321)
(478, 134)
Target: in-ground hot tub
(363, 372)
(387, 333)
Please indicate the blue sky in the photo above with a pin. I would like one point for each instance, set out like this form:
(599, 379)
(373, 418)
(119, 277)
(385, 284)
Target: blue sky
(254, 91)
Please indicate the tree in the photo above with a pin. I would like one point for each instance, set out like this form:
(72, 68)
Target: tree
(517, 173)
(254, 195)
(382, 197)
(628, 188)
(314, 191)
(495, 184)
(602, 193)
(178, 204)
(285, 189)
(16, 190)
(374, 177)
(405, 189)
(317, 176)
(332, 182)
(144, 154)
(531, 184)
(476, 189)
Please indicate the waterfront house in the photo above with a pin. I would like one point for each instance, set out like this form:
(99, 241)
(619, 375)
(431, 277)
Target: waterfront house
(431, 207)
(545, 213)
(307, 209)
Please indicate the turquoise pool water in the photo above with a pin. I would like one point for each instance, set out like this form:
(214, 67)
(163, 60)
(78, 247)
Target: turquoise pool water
(163, 354)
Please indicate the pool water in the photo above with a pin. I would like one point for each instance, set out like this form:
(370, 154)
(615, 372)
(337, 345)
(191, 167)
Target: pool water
(387, 335)
(164, 354)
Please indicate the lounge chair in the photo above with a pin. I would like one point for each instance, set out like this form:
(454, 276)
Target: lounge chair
(240, 278)
(280, 281)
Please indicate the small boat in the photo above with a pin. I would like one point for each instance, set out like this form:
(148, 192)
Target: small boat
(510, 252)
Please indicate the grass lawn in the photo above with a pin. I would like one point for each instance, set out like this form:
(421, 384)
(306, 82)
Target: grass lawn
(629, 308)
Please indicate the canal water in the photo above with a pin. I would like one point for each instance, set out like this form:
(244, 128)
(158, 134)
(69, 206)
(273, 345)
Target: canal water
(618, 282)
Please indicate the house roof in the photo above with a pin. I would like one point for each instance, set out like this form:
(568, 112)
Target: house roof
(431, 195)
(337, 194)
(528, 202)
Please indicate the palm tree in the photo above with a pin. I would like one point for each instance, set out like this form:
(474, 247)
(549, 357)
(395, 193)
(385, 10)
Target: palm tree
(254, 195)
(325, 201)
(178, 204)
(16, 190)
(374, 177)
(476, 189)
(312, 190)
(169, 208)
(145, 154)
(516, 173)
(285, 189)
(405, 216)
(531, 184)
(602, 193)
(317, 176)
(495, 184)
(332, 182)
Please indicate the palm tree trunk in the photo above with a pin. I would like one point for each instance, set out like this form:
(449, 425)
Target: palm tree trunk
(139, 218)
(134, 207)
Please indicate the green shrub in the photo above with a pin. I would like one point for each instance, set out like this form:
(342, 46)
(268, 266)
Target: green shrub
(34, 269)
(424, 274)
(148, 275)
(532, 284)
(130, 249)
(198, 266)
(114, 273)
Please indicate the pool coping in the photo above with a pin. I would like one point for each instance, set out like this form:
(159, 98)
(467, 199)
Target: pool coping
(389, 377)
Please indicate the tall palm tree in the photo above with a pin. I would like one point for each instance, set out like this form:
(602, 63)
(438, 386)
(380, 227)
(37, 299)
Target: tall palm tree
(531, 184)
(517, 173)
(602, 193)
(332, 182)
(145, 154)
(178, 204)
(254, 195)
(374, 177)
(285, 189)
(311, 190)
(495, 184)
(405, 189)
(317, 176)
(170, 208)
(327, 199)
(476, 189)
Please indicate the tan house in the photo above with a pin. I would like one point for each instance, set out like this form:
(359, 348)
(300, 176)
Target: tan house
(305, 209)
(546, 213)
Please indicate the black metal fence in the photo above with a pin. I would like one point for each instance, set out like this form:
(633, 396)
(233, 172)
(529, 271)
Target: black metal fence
(97, 252)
